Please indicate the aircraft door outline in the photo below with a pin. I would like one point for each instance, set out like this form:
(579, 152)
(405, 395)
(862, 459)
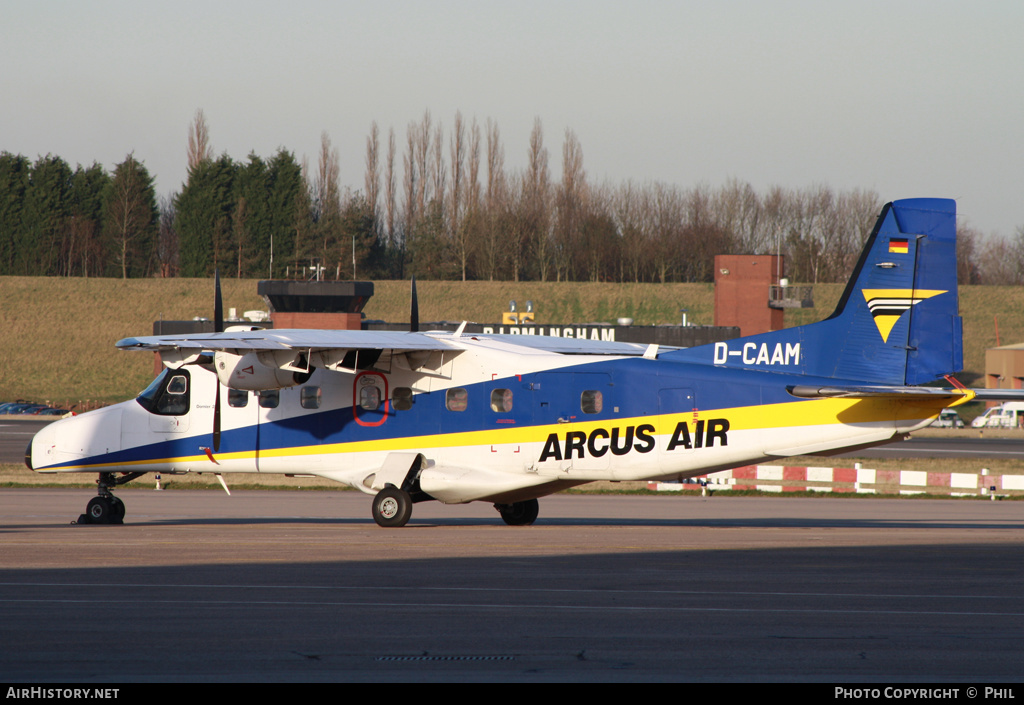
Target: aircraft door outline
(369, 393)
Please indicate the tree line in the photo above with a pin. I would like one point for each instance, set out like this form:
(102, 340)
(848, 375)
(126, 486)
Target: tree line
(443, 206)
(81, 222)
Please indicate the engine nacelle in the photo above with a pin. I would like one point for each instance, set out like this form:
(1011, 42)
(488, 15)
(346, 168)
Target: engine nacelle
(257, 371)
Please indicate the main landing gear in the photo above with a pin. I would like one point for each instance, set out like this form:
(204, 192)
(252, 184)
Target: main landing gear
(105, 508)
(392, 507)
(519, 513)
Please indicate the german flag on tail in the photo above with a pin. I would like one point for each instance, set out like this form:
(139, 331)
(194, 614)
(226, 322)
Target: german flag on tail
(899, 245)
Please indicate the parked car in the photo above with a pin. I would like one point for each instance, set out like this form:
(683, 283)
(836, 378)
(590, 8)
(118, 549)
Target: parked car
(24, 407)
(1007, 415)
(948, 418)
(50, 411)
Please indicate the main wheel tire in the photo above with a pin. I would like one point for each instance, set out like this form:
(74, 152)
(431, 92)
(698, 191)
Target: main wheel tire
(520, 513)
(392, 507)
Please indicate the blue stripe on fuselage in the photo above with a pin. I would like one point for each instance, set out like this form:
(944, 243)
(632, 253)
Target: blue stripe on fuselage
(630, 389)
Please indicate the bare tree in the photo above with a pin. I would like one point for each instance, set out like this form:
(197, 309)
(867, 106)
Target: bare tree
(167, 243)
(495, 163)
(459, 234)
(327, 205)
(570, 205)
(423, 153)
(473, 167)
(537, 194)
(390, 205)
(494, 202)
(199, 149)
(737, 210)
(628, 208)
(1001, 259)
(439, 169)
(667, 207)
(373, 169)
(411, 180)
(473, 221)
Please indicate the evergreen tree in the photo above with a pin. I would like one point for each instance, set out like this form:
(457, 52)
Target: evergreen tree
(203, 216)
(287, 216)
(15, 174)
(251, 217)
(131, 220)
(46, 206)
(83, 252)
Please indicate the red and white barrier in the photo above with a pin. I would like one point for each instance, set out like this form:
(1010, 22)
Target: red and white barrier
(777, 478)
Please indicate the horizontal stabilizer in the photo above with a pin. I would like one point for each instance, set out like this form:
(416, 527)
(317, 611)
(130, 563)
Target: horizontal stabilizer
(998, 394)
(878, 391)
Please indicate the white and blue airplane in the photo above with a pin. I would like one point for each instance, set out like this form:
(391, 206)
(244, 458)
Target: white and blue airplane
(454, 417)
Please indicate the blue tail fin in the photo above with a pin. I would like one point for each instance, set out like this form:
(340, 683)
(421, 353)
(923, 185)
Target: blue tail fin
(897, 321)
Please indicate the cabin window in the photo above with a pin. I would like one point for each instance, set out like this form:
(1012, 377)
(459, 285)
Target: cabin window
(501, 400)
(309, 397)
(238, 398)
(369, 398)
(402, 398)
(270, 398)
(168, 395)
(456, 399)
(591, 401)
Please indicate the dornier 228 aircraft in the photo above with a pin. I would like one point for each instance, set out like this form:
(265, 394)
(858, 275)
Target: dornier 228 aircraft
(410, 417)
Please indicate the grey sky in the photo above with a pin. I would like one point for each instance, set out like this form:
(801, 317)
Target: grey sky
(906, 98)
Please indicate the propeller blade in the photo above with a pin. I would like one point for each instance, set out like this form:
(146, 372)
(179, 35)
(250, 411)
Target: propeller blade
(216, 420)
(218, 304)
(218, 327)
(414, 313)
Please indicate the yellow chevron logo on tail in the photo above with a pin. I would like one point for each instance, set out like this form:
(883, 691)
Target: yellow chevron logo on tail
(887, 305)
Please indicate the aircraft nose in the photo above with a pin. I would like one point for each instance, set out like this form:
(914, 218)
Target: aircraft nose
(28, 456)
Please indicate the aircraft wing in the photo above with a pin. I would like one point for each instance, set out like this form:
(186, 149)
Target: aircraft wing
(300, 339)
(398, 341)
(570, 346)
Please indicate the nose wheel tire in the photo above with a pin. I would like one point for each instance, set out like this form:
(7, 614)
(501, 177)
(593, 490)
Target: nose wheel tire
(103, 510)
(392, 507)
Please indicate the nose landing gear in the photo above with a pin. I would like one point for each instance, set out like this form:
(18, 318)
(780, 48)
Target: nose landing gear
(105, 508)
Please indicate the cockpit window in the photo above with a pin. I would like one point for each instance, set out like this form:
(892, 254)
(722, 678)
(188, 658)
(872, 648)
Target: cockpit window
(177, 385)
(168, 395)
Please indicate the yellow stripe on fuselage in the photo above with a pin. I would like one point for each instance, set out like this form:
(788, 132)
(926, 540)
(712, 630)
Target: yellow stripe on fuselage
(793, 415)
